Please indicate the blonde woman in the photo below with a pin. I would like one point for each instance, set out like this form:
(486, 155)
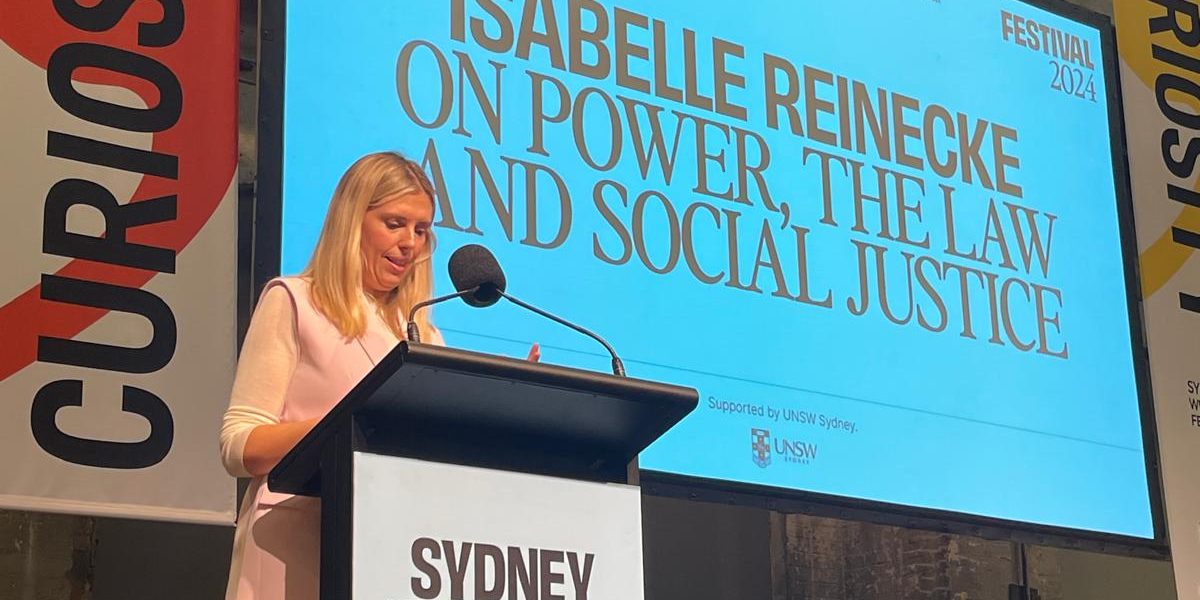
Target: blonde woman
(312, 338)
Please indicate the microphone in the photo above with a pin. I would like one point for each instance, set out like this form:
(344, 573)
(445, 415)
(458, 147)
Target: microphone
(480, 282)
(475, 272)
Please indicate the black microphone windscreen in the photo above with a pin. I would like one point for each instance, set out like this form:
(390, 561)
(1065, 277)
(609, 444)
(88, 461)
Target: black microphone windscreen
(473, 266)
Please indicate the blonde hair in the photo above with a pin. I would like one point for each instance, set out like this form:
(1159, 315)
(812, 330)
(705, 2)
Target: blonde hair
(336, 267)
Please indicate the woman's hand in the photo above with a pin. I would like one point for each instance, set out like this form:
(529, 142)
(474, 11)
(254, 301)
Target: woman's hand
(535, 353)
(267, 444)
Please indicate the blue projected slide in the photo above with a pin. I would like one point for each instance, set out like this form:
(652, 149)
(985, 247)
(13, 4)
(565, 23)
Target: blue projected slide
(888, 256)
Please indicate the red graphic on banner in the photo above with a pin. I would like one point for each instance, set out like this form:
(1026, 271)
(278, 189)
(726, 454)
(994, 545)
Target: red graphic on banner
(204, 59)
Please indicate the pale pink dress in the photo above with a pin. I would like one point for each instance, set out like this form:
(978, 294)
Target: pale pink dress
(276, 545)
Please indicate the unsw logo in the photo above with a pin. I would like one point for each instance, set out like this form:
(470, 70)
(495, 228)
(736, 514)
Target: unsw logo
(760, 441)
(792, 451)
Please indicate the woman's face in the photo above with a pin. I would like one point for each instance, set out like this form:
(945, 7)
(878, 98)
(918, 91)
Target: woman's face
(395, 233)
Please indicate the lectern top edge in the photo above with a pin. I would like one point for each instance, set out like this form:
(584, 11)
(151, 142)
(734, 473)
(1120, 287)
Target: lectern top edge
(464, 407)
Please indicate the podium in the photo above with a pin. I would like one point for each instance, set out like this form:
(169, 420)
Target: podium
(453, 474)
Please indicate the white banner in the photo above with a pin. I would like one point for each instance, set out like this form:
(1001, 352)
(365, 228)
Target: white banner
(1160, 71)
(426, 531)
(117, 299)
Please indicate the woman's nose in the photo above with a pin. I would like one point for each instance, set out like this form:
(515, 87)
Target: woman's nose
(406, 239)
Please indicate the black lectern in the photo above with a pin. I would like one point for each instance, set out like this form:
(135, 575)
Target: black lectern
(474, 418)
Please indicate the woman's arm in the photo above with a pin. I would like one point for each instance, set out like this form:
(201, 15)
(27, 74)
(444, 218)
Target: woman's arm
(252, 438)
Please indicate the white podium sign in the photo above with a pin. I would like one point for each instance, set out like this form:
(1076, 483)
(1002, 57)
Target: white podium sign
(432, 531)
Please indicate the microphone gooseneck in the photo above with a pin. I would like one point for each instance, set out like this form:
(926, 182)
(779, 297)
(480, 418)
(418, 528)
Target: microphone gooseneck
(414, 332)
(618, 368)
(476, 273)
(480, 282)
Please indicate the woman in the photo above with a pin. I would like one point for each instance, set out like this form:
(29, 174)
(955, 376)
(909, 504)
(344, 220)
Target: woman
(312, 338)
